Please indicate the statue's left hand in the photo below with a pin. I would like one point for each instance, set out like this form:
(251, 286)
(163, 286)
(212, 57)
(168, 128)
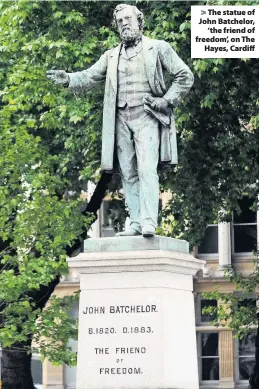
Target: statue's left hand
(160, 104)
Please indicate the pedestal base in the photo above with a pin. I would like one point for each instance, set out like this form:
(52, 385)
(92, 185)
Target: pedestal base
(136, 316)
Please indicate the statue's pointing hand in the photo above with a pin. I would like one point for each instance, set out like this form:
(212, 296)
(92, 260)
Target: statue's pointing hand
(58, 76)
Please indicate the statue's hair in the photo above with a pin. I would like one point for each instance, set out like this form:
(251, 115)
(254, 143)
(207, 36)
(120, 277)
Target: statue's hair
(138, 13)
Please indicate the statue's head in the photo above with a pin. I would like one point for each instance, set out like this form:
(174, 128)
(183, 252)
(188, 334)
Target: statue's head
(129, 21)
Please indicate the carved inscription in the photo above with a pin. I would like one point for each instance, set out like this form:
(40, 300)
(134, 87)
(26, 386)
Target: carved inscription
(138, 333)
(92, 310)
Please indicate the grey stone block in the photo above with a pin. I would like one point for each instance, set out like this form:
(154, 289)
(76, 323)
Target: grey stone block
(135, 243)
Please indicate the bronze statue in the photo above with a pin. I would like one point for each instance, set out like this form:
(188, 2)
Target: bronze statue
(138, 122)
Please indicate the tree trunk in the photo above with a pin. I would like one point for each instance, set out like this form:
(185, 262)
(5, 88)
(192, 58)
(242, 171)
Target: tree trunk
(16, 367)
(92, 207)
(254, 378)
(16, 363)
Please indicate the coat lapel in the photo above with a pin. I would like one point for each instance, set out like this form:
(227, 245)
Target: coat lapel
(113, 66)
(150, 58)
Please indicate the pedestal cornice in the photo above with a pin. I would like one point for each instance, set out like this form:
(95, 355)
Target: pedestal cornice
(139, 261)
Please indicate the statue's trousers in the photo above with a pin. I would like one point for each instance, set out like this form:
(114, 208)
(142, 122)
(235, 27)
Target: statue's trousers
(137, 143)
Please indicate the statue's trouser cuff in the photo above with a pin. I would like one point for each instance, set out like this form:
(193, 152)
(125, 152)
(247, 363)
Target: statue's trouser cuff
(137, 142)
(135, 226)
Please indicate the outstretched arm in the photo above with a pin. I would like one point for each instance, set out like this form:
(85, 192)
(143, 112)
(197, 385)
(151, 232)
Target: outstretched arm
(183, 77)
(86, 79)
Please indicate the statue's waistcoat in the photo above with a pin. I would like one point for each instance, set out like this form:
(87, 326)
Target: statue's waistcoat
(132, 78)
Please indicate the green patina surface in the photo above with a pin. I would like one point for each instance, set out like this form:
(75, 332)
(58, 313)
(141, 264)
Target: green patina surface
(135, 243)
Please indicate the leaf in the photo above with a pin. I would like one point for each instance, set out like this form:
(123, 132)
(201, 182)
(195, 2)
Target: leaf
(75, 118)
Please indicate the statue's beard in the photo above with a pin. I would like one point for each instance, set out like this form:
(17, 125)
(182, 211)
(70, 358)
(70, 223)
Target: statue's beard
(129, 35)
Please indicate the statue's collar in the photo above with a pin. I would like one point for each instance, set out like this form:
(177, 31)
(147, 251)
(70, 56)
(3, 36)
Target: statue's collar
(133, 51)
(132, 44)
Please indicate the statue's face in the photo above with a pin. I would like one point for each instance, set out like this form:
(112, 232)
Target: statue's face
(128, 25)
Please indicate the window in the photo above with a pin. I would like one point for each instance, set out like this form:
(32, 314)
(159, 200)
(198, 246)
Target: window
(247, 302)
(203, 318)
(114, 213)
(36, 369)
(207, 317)
(245, 356)
(209, 244)
(244, 233)
(106, 218)
(208, 356)
(70, 371)
(107, 229)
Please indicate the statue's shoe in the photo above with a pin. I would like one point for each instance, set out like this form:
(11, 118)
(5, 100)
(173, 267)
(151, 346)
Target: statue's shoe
(128, 232)
(148, 231)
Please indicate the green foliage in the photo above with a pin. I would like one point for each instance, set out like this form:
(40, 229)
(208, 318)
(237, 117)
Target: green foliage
(55, 329)
(237, 310)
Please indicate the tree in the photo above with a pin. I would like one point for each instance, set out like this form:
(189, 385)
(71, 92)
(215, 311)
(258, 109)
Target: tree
(50, 146)
(44, 166)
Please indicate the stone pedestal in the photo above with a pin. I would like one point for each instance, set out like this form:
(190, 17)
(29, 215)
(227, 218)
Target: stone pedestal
(136, 314)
